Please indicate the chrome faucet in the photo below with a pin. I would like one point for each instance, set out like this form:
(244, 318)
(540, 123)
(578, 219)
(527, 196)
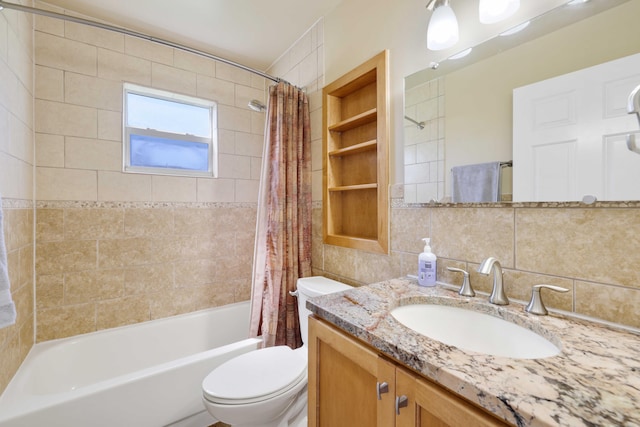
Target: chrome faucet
(497, 296)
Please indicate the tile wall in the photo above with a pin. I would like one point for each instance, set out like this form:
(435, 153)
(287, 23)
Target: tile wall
(116, 248)
(592, 251)
(16, 182)
(424, 148)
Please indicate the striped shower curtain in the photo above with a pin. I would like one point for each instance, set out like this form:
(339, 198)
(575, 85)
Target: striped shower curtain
(283, 231)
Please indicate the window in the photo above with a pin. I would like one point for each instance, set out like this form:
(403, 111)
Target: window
(169, 134)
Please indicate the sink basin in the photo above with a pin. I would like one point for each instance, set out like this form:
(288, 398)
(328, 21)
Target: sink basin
(473, 331)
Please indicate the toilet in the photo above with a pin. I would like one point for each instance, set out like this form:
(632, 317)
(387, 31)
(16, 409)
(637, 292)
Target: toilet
(267, 387)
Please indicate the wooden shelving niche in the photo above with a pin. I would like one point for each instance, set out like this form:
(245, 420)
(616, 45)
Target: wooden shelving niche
(356, 158)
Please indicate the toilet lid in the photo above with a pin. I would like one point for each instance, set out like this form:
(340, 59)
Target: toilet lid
(255, 376)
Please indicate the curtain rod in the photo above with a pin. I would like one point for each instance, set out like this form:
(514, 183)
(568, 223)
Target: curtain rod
(5, 5)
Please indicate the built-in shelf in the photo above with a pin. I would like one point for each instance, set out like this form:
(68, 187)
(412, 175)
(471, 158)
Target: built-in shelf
(369, 116)
(355, 149)
(354, 187)
(355, 158)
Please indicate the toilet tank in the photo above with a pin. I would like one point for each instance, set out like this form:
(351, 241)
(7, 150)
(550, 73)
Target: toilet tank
(309, 287)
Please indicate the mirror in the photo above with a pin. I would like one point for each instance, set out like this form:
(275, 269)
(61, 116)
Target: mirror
(464, 105)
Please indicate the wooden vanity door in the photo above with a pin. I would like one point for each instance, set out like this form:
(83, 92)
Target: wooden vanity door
(440, 408)
(343, 380)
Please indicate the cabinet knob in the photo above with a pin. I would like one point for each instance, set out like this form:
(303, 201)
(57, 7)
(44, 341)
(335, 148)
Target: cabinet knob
(382, 388)
(401, 402)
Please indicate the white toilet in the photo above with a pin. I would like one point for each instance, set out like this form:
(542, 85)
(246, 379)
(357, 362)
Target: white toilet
(267, 387)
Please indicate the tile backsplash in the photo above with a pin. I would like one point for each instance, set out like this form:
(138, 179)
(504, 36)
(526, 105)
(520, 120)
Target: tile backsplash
(592, 251)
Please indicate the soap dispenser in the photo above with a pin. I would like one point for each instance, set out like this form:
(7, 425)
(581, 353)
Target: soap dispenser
(427, 265)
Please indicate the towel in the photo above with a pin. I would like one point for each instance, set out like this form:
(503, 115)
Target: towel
(7, 307)
(476, 183)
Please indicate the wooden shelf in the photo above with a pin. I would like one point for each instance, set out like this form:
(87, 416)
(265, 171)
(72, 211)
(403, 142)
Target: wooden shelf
(369, 116)
(354, 187)
(356, 158)
(355, 149)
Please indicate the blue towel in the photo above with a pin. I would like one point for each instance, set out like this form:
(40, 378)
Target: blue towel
(476, 183)
(7, 307)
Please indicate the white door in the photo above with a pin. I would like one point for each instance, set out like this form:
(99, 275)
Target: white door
(569, 135)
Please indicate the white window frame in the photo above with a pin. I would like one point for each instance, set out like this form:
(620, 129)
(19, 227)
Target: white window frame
(212, 171)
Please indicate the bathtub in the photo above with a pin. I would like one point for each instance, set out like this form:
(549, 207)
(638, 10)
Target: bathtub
(143, 375)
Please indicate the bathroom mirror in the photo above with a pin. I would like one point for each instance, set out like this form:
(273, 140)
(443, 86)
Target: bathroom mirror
(460, 111)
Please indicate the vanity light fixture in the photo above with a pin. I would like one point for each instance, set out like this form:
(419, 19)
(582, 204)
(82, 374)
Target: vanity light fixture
(576, 2)
(492, 11)
(442, 32)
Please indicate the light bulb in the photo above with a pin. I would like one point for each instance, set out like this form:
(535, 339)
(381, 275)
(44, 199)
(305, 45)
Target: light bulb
(492, 11)
(443, 28)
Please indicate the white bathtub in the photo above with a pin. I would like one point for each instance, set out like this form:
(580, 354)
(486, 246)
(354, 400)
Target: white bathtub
(148, 374)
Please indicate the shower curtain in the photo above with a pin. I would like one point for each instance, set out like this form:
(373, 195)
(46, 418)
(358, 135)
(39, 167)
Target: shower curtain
(283, 231)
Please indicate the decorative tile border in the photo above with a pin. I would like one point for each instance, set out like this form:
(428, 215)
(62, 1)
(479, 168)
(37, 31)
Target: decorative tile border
(79, 204)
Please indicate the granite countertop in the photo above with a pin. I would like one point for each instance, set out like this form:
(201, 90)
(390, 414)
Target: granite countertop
(594, 381)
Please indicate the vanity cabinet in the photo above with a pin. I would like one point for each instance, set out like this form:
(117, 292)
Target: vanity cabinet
(355, 162)
(351, 384)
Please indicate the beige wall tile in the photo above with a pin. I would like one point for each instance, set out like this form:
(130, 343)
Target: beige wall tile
(371, 268)
(221, 91)
(95, 285)
(340, 261)
(49, 150)
(64, 119)
(49, 84)
(148, 222)
(173, 79)
(247, 191)
(244, 94)
(110, 125)
(473, 234)
(173, 189)
(118, 253)
(116, 186)
(591, 244)
(49, 225)
(66, 321)
(249, 144)
(195, 63)
(154, 52)
(83, 153)
(16, 178)
(93, 224)
(216, 190)
(21, 140)
(62, 257)
(92, 91)
(232, 118)
(94, 36)
(70, 55)
(234, 166)
(192, 221)
(123, 68)
(232, 74)
(195, 273)
(50, 291)
(148, 279)
(66, 184)
(408, 227)
(214, 243)
(122, 311)
(612, 303)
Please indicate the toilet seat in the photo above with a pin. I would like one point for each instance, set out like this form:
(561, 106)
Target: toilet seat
(255, 376)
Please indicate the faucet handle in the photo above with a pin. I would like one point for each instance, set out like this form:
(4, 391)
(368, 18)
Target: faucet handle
(465, 290)
(536, 306)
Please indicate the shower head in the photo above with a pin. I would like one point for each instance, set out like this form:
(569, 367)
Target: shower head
(256, 105)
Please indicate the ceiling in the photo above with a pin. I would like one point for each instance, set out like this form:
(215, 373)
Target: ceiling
(251, 32)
